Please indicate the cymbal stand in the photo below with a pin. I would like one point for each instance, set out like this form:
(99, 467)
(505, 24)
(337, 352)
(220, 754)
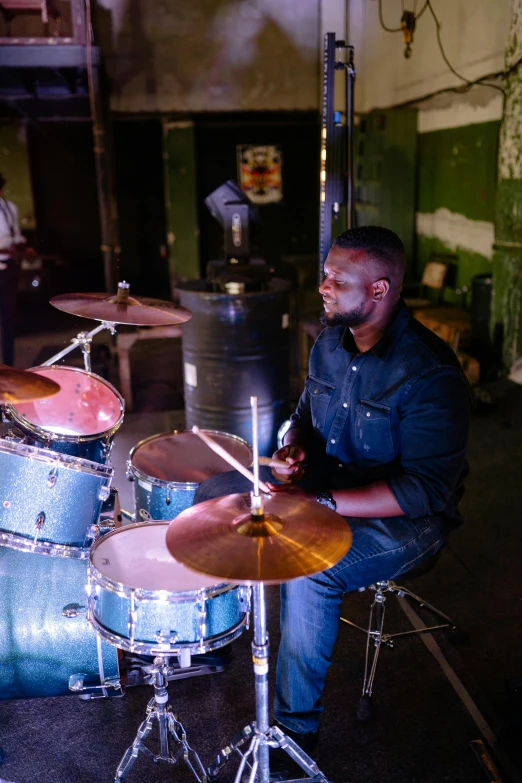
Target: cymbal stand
(169, 728)
(262, 735)
(82, 340)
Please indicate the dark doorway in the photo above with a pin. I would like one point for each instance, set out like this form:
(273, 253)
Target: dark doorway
(138, 157)
(66, 202)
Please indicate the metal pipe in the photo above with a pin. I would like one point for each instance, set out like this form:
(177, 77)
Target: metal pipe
(350, 200)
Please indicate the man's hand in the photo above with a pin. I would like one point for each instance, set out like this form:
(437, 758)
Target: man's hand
(291, 489)
(294, 457)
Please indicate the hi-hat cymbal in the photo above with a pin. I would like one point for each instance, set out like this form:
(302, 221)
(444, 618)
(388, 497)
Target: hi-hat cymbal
(297, 537)
(24, 386)
(135, 311)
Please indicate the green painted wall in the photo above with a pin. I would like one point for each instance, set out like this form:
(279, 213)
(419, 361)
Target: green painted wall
(180, 201)
(457, 170)
(14, 165)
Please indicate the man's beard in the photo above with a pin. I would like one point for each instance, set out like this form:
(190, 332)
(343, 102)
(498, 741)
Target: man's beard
(355, 317)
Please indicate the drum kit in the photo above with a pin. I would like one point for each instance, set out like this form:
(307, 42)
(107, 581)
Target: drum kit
(180, 581)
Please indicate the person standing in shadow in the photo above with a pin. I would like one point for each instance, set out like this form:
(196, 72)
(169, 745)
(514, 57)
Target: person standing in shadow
(11, 244)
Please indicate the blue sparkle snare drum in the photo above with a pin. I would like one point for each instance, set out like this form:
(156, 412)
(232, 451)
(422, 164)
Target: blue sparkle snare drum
(49, 502)
(168, 468)
(80, 420)
(142, 600)
(47, 647)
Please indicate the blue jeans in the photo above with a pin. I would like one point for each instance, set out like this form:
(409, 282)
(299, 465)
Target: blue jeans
(310, 607)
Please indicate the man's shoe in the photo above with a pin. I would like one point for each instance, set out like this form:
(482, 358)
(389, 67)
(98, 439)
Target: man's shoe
(282, 766)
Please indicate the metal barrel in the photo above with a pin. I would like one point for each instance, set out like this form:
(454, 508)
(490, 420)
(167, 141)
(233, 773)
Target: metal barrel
(236, 346)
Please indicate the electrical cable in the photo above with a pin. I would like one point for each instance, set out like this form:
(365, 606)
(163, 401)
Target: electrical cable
(381, 20)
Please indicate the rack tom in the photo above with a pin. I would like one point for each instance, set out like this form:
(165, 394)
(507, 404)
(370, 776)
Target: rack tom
(80, 420)
(168, 468)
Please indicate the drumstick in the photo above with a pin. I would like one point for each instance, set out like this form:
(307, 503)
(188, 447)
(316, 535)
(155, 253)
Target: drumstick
(270, 462)
(228, 457)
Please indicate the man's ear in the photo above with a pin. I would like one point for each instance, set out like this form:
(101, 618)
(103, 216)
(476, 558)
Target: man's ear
(380, 289)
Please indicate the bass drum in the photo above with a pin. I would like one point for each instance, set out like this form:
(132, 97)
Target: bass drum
(47, 647)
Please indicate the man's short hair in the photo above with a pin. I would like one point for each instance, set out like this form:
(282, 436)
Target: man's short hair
(380, 244)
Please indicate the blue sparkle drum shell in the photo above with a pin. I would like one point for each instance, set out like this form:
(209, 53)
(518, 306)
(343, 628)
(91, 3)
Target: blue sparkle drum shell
(142, 600)
(40, 648)
(49, 500)
(80, 420)
(168, 468)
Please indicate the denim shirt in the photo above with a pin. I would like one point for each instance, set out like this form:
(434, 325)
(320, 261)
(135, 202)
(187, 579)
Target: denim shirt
(398, 412)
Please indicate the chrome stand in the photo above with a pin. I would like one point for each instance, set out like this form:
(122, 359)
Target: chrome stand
(83, 340)
(262, 735)
(169, 728)
(375, 632)
(254, 765)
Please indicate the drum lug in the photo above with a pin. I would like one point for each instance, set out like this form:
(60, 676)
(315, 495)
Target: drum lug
(52, 477)
(104, 493)
(164, 637)
(73, 610)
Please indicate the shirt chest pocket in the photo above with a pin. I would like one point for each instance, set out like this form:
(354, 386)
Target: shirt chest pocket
(373, 436)
(320, 393)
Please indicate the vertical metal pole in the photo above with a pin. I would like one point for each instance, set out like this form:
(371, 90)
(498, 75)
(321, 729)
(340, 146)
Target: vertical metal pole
(350, 200)
(260, 654)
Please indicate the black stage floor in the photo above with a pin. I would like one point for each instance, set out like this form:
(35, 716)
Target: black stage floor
(431, 703)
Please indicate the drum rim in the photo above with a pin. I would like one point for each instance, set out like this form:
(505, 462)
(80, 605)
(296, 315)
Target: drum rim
(141, 594)
(35, 429)
(49, 548)
(175, 485)
(149, 648)
(78, 464)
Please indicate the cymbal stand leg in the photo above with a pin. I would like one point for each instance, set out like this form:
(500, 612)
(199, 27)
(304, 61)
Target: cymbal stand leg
(264, 737)
(169, 727)
(83, 339)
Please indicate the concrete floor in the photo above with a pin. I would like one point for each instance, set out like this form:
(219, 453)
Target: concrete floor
(431, 702)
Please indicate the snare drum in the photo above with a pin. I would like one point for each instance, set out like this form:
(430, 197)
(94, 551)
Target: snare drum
(49, 502)
(167, 469)
(142, 600)
(80, 420)
(47, 647)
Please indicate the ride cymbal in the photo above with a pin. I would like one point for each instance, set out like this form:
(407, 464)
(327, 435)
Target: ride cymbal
(296, 537)
(122, 308)
(24, 386)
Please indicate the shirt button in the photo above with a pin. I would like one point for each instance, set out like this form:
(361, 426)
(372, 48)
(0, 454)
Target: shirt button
(368, 414)
(345, 404)
(354, 368)
(333, 440)
(340, 465)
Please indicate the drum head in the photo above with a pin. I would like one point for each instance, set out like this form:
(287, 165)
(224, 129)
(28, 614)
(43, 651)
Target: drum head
(137, 556)
(85, 405)
(182, 457)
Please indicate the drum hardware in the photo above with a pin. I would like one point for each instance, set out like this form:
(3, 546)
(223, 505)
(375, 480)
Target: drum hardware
(73, 610)
(22, 544)
(235, 534)
(169, 726)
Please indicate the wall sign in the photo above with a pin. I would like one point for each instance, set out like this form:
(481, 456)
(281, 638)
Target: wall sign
(260, 173)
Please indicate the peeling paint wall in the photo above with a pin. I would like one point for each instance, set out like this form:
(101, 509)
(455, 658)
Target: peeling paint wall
(210, 55)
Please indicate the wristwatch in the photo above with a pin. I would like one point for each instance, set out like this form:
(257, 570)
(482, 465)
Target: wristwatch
(326, 499)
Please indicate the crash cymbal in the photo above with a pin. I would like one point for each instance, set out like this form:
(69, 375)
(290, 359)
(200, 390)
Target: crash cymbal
(297, 537)
(24, 386)
(122, 309)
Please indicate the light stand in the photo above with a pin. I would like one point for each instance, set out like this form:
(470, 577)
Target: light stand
(158, 709)
(264, 735)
